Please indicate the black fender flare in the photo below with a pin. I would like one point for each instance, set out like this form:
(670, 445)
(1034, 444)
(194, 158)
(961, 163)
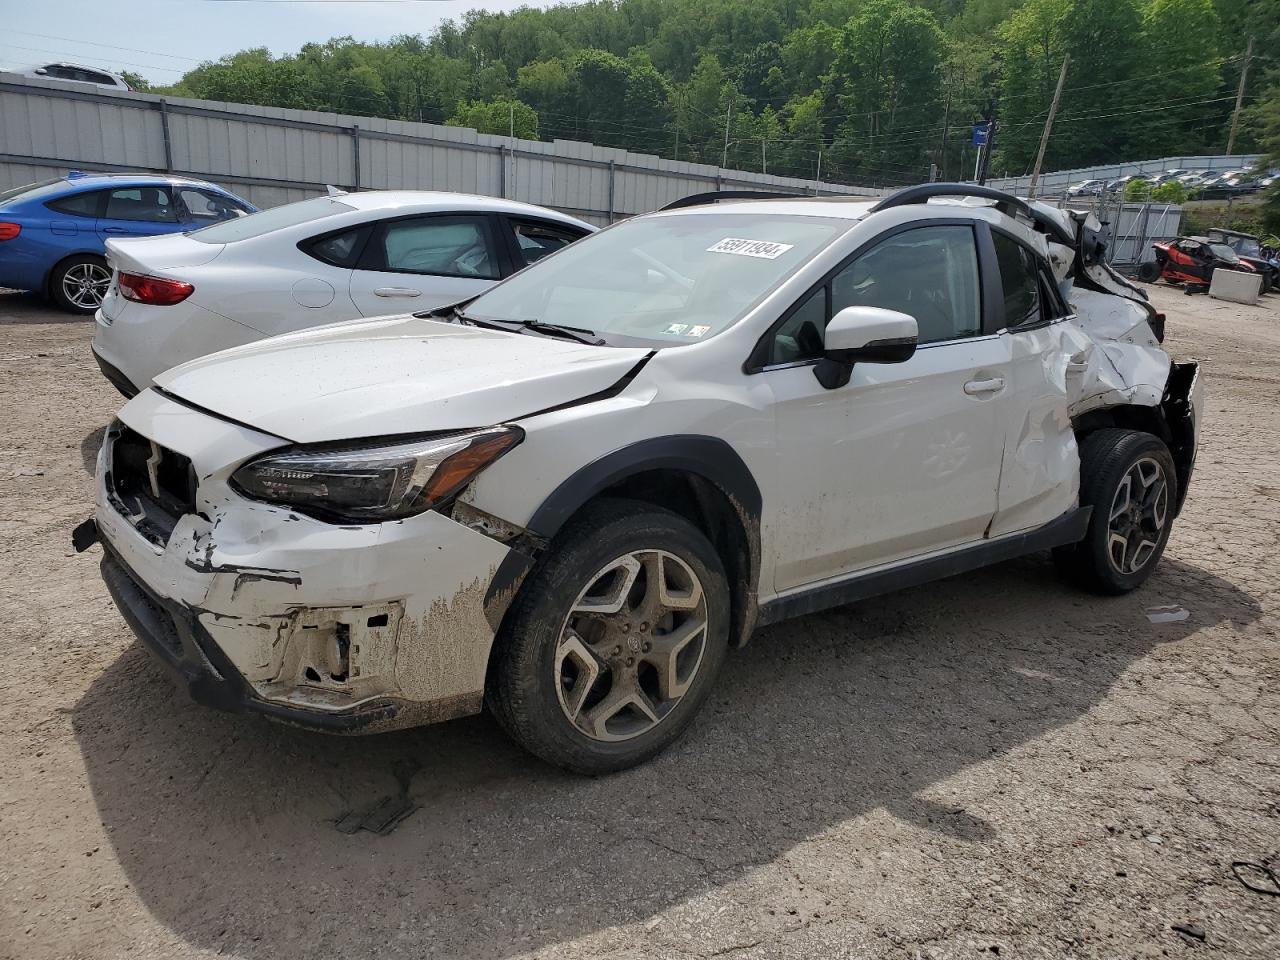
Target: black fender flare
(710, 458)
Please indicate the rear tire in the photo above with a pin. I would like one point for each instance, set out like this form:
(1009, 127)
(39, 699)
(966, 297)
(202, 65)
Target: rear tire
(1128, 478)
(594, 689)
(79, 283)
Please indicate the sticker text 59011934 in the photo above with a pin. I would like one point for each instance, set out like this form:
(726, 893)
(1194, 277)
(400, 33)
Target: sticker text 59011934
(764, 249)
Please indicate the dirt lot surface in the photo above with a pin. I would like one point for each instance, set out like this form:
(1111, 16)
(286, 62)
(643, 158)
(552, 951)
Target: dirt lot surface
(990, 765)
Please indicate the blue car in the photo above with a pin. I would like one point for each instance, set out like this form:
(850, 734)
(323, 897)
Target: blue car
(52, 234)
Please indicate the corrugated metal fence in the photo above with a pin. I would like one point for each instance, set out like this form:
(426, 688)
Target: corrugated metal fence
(1129, 228)
(271, 155)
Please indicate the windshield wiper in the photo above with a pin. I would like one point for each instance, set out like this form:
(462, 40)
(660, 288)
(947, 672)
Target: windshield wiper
(461, 316)
(568, 333)
(578, 334)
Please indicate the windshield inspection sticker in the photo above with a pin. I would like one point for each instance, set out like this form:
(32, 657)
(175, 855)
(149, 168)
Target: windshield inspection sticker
(676, 329)
(763, 249)
(698, 330)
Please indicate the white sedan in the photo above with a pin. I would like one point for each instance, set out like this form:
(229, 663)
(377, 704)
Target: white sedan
(319, 261)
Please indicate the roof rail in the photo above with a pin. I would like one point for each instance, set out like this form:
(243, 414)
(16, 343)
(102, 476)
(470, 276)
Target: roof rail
(1006, 203)
(698, 199)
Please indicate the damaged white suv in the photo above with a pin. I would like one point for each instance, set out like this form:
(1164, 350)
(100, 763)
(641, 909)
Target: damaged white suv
(568, 498)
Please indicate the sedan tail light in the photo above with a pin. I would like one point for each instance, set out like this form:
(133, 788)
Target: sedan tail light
(9, 230)
(154, 290)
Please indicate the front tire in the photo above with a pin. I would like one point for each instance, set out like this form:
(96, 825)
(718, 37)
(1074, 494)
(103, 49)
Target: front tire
(78, 284)
(1148, 271)
(614, 641)
(1128, 478)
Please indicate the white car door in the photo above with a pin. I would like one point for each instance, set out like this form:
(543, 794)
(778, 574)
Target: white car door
(905, 458)
(427, 261)
(1040, 474)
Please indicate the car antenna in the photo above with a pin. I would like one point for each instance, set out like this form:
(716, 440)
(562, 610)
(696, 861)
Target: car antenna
(333, 191)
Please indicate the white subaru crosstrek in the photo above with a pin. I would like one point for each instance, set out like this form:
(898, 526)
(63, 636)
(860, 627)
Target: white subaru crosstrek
(569, 497)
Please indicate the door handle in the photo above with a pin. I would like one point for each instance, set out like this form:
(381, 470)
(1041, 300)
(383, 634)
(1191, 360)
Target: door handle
(975, 387)
(397, 292)
(114, 230)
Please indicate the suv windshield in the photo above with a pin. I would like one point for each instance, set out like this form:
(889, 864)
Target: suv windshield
(277, 218)
(1223, 251)
(662, 280)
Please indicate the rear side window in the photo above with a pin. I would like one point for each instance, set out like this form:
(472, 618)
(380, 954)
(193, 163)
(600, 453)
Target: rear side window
(537, 240)
(151, 204)
(441, 246)
(268, 221)
(78, 204)
(1019, 278)
(337, 249)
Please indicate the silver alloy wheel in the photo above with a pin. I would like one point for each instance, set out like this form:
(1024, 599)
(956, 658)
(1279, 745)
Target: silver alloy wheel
(631, 645)
(85, 284)
(1139, 511)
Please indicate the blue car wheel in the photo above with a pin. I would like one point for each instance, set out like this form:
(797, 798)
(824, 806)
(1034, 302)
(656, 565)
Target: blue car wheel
(79, 283)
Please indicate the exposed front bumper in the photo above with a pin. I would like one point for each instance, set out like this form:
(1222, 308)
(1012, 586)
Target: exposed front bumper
(344, 628)
(178, 641)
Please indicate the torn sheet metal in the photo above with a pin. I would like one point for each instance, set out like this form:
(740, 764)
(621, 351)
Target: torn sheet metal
(1115, 354)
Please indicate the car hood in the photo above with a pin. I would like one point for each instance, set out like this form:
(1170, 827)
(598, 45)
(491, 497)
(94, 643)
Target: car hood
(395, 375)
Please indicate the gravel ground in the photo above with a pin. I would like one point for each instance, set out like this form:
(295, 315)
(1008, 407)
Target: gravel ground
(994, 764)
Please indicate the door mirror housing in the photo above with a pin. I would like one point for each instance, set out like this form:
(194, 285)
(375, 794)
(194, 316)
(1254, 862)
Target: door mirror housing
(864, 335)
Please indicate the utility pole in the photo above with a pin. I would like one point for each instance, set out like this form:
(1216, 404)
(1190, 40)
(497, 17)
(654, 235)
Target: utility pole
(1048, 125)
(946, 126)
(817, 174)
(724, 160)
(1235, 116)
(764, 168)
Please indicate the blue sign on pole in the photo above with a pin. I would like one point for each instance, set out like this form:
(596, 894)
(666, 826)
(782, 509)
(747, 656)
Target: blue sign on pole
(980, 131)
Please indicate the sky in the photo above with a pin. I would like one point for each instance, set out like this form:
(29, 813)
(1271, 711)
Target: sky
(162, 39)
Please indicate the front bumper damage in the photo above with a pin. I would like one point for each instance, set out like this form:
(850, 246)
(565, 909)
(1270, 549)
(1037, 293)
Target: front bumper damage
(255, 608)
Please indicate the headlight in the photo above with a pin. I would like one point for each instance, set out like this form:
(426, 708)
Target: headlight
(372, 484)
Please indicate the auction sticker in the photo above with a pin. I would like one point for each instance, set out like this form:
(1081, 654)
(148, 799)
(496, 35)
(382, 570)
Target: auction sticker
(763, 249)
(675, 329)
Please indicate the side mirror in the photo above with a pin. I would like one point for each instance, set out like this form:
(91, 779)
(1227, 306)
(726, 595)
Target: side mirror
(864, 335)
(41, 71)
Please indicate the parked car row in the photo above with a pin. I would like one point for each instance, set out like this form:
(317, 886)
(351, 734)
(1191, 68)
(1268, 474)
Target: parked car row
(565, 492)
(1207, 184)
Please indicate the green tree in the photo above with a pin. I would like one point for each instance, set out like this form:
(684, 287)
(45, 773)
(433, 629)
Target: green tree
(1180, 43)
(889, 59)
(1034, 42)
(497, 116)
(135, 80)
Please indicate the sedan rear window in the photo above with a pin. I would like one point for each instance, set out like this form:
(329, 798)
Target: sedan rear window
(268, 221)
(29, 191)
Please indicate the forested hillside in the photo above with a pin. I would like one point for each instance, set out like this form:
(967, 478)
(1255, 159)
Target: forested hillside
(878, 89)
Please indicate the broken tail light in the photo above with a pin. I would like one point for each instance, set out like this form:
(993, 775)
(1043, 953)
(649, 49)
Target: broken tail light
(156, 291)
(9, 231)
